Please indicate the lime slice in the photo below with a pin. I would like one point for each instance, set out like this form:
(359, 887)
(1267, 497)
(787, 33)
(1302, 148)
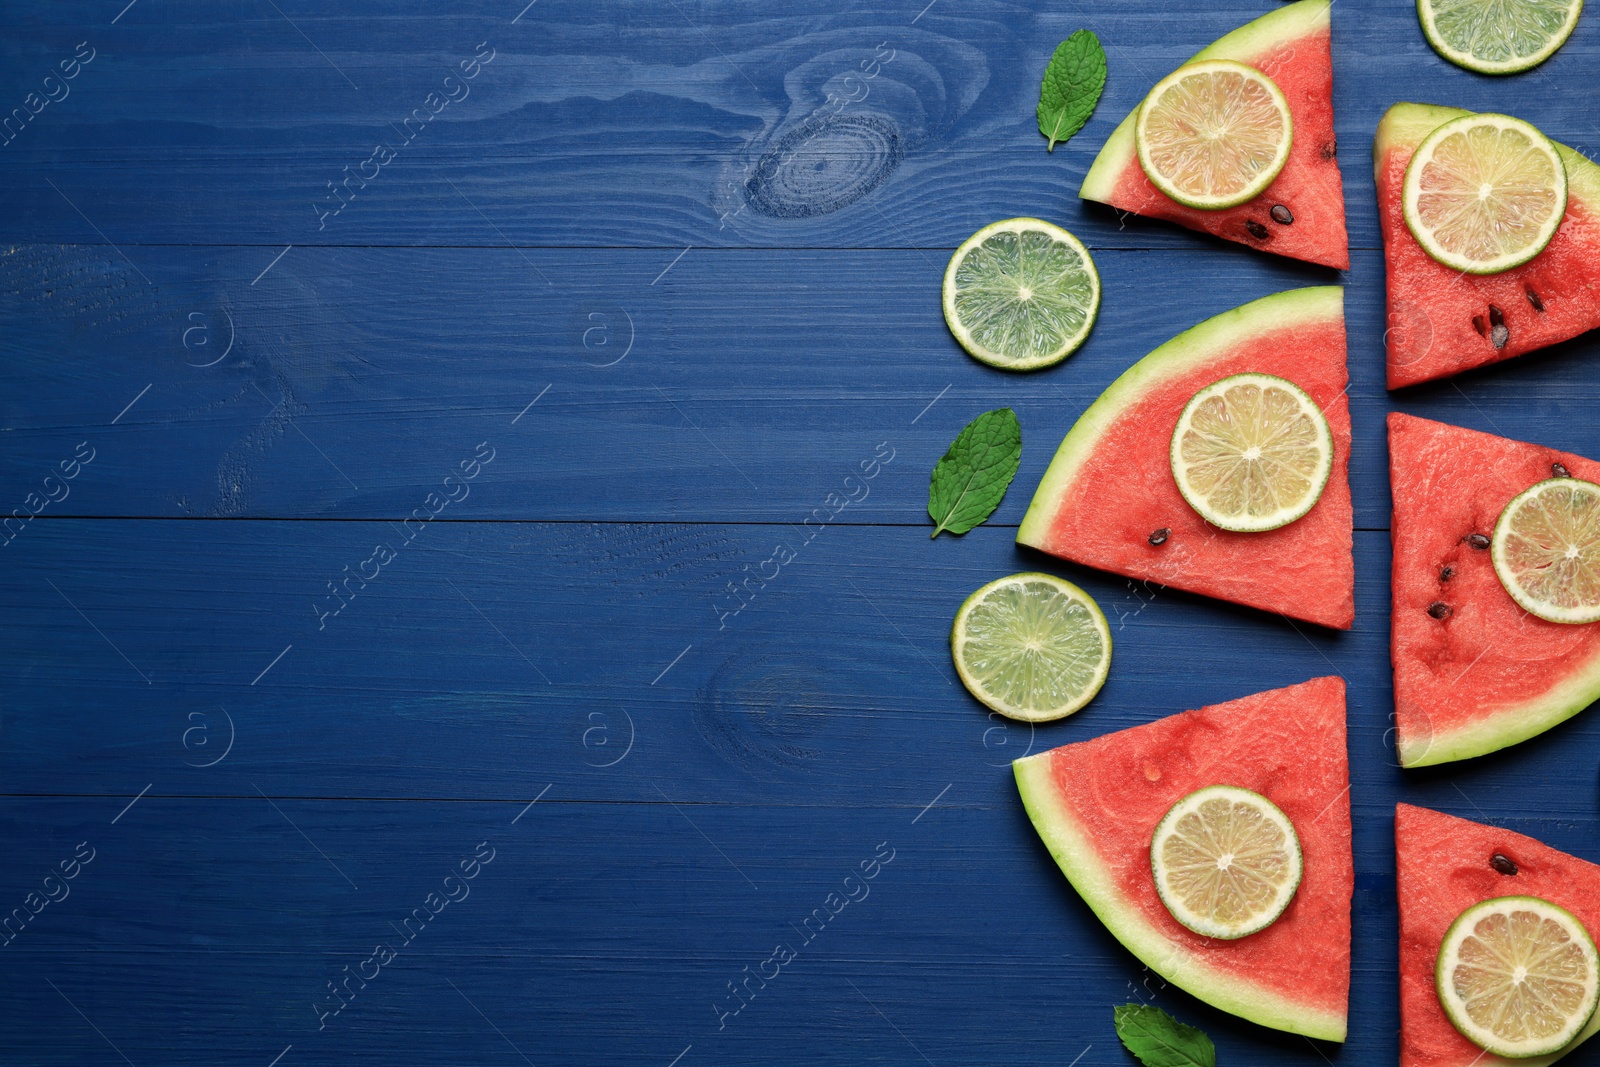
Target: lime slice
(1251, 452)
(1031, 646)
(1021, 294)
(1546, 550)
(1484, 193)
(1497, 36)
(1518, 976)
(1213, 134)
(1226, 861)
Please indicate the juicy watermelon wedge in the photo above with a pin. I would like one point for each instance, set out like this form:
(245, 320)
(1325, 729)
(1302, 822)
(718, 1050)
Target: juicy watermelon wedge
(1110, 486)
(1486, 674)
(1096, 805)
(1442, 868)
(1441, 321)
(1291, 46)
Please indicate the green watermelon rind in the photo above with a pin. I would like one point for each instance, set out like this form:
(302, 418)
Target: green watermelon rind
(1184, 354)
(1405, 125)
(1069, 841)
(1508, 726)
(1288, 23)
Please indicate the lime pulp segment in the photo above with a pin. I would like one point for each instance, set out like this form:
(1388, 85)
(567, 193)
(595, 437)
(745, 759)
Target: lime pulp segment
(1251, 452)
(1226, 861)
(1518, 976)
(1213, 134)
(1031, 646)
(1497, 36)
(1546, 550)
(1021, 294)
(1485, 193)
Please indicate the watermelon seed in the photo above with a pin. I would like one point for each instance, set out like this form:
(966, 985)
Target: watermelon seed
(1481, 326)
(1500, 335)
(1533, 298)
(1258, 231)
(1559, 471)
(1478, 541)
(1503, 864)
(1282, 215)
(1329, 149)
(1160, 536)
(1440, 610)
(1444, 575)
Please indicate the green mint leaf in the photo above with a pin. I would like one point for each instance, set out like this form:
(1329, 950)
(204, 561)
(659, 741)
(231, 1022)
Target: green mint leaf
(1072, 85)
(967, 484)
(1158, 1040)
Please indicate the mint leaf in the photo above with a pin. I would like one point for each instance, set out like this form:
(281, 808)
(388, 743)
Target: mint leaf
(1158, 1040)
(967, 484)
(1072, 85)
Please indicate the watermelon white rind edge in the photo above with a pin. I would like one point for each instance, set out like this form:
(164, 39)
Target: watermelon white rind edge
(1405, 125)
(1068, 841)
(1508, 726)
(1187, 352)
(1288, 23)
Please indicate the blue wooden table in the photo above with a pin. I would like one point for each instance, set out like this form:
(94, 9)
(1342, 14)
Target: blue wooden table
(430, 371)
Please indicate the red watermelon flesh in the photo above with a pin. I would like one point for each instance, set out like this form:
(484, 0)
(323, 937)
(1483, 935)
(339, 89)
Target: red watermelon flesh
(1292, 47)
(1442, 322)
(1110, 485)
(1442, 868)
(1486, 674)
(1096, 805)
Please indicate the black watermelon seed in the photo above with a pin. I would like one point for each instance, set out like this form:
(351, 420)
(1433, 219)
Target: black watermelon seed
(1440, 610)
(1160, 536)
(1496, 316)
(1479, 324)
(1559, 471)
(1478, 541)
(1282, 215)
(1258, 231)
(1500, 335)
(1329, 149)
(1444, 575)
(1533, 298)
(1503, 864)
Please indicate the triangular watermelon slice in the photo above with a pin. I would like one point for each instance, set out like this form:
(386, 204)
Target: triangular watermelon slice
(1441, 322)
(1110, 488)
(1291, 46)
(1443, 867)
(1473, 671)
(1096, 805)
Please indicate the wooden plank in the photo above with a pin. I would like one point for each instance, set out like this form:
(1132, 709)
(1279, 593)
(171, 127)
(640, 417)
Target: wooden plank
(708, 123)
(740, 386)
(587, 911)
(490, 660)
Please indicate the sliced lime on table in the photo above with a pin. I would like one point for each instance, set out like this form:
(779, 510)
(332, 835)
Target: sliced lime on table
(1484, 193)
(1251, 452)
(1021, 294)
(1226, 861)
(1497, 36)
(1546, 550)
(1031, 646)
(1518, 976)
(1213, 134)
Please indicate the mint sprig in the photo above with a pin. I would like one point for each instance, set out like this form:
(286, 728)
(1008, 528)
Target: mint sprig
(969, 482)
(1072, 86)
(1159, 1040)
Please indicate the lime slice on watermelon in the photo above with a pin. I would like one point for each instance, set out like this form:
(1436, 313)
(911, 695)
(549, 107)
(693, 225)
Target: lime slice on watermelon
(1226, 861)
(1021, 294)
(1031, 646)
(1213, 134)
(1546, 550)
(1251, 452)
(1497, 36)
(1484, 193)
(1518, 976)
